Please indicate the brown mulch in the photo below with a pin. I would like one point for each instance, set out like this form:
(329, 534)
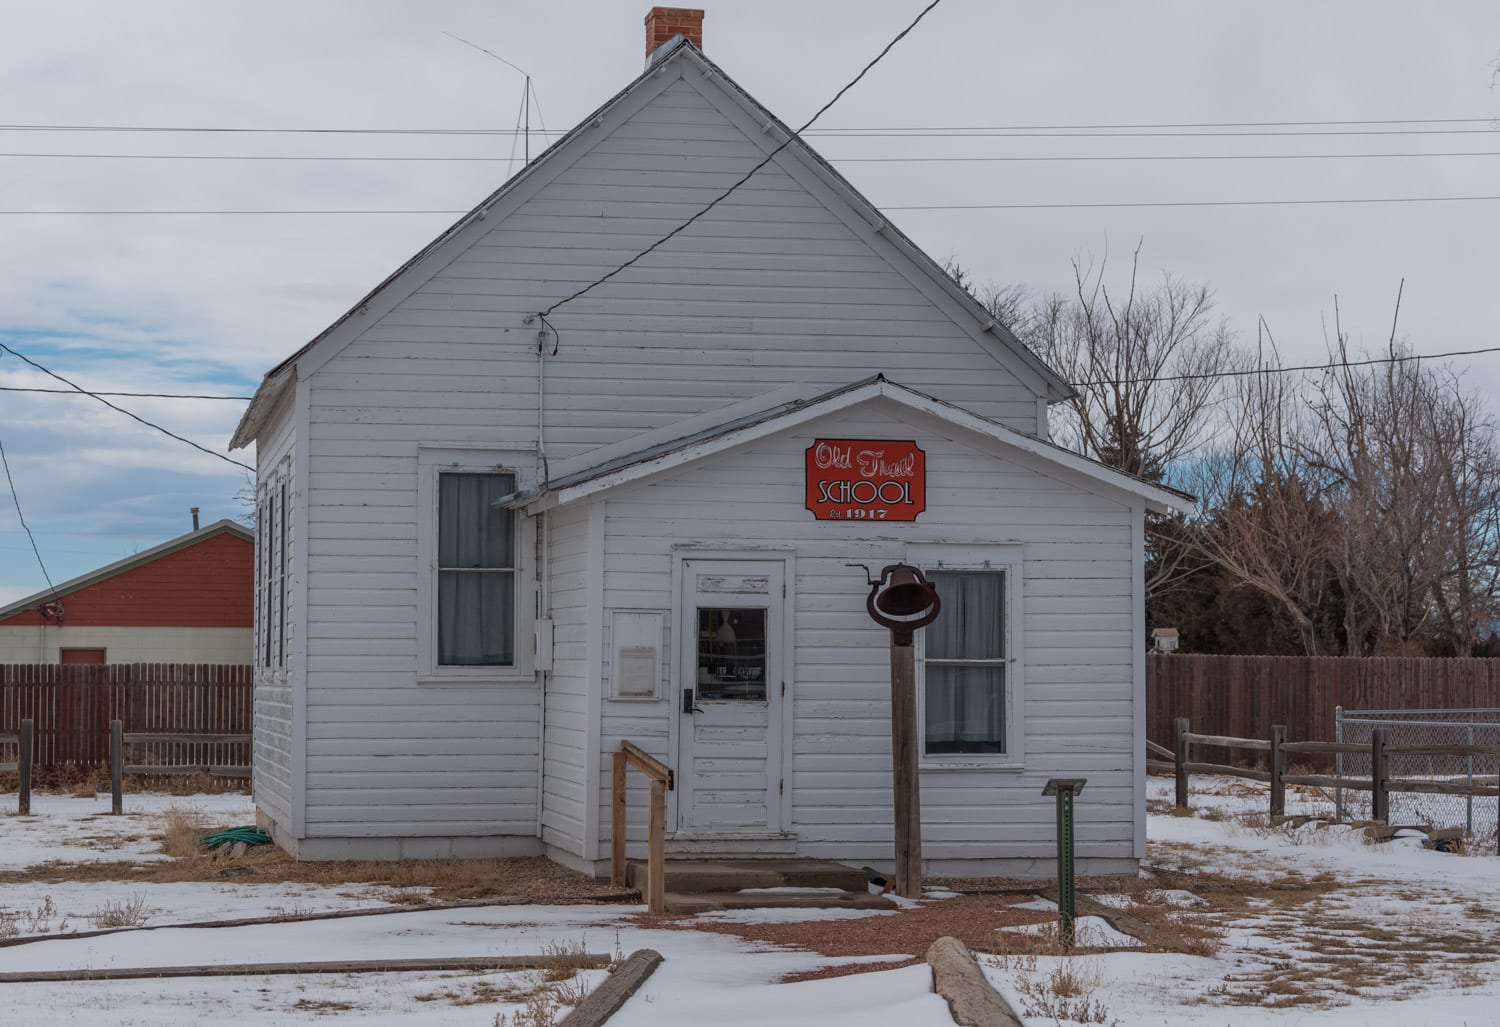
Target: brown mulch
(534, 879)
(973, 919)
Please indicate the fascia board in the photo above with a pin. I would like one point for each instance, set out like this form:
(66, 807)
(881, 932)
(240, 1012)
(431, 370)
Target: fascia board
(462, 234)
(849, 205)
(1157, 499)
(478, 222)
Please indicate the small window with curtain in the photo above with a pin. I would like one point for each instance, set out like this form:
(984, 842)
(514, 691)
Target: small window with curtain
(964, 666)
(476, 571)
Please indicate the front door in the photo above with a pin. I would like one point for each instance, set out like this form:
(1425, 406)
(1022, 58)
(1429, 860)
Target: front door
(730, 691)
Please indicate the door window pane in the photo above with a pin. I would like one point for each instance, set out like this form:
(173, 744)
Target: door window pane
(731, 654)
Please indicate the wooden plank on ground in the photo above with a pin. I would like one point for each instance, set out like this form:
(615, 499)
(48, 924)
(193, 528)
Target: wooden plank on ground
(347, 966)
(605, 1000)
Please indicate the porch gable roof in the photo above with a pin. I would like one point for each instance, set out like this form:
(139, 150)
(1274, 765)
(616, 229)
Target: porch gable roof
(667, 455)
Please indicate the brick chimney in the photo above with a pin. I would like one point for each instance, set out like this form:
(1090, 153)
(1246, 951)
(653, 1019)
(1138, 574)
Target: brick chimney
(662, 23)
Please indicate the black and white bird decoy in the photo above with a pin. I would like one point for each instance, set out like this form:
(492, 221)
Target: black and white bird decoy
(879, 883)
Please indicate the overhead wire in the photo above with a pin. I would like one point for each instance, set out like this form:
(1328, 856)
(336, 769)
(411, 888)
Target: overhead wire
(766, 160)
(1077, 205)
(461, 159)
(1248, 372)
(22, 517)
(127, 413)
(827, 131)
(134, 395)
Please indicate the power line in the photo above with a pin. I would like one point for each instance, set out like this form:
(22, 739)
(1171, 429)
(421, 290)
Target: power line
(1105, 204)
(766, 160)
(392, 158)
(1401, 359)
(136, 395)
(1030, 127)
(127, 413)
(27, 528)
(1198, 203)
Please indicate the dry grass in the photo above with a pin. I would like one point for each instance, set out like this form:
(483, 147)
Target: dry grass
(182, 832)
(129, 912)
(541, 994)
(86, 782)
(14, 923)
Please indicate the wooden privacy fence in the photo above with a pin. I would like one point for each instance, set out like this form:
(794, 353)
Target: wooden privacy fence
(1277, 749)
(72, 706)
(1242, 696)
(661, 778)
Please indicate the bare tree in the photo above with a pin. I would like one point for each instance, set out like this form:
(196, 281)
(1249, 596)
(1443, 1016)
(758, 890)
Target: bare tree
(1147, 365)
(1264, 519)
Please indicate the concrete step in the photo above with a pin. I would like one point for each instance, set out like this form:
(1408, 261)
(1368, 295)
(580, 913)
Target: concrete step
(712, 902)
(698, 876)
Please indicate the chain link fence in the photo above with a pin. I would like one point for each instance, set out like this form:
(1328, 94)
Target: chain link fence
(1423, 727)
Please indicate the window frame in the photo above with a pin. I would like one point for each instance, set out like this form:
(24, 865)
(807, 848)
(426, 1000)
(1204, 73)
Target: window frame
(1006, 559)
(457, 459)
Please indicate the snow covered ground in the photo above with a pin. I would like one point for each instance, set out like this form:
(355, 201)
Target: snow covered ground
(1308, 927)
(1319, 928)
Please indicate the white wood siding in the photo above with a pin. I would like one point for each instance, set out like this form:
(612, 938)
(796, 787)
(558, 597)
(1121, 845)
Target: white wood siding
(564, 795)
(1079, 640)
(274, 778)
(784, 284)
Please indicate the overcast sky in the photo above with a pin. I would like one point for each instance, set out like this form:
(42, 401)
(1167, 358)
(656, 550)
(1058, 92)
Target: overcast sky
(207, 303)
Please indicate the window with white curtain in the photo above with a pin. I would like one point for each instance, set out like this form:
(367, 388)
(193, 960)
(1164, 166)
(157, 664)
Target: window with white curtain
(476, 571)
(476, 584)
(964, 666)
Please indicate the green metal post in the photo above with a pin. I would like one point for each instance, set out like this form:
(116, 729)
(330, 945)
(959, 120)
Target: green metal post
(1066, 907)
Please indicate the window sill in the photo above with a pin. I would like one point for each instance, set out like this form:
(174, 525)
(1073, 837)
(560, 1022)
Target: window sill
(477, 678)
(1002, 764)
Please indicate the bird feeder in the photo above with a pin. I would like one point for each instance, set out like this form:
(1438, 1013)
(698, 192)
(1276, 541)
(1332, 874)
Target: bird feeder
(901, 601)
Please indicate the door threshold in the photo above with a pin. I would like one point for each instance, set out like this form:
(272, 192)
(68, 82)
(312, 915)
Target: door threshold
(731, 843)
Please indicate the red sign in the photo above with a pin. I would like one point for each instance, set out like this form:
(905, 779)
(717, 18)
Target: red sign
(866, 480)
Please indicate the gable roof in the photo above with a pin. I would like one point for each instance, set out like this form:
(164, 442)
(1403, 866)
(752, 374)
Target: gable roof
(131, 562)
(984, 328)
(667, 455)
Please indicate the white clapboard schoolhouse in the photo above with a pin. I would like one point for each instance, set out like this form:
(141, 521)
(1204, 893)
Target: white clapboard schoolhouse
(493, 546)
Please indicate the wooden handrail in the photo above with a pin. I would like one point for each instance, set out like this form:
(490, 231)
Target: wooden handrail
(648, 764)
(662, 780)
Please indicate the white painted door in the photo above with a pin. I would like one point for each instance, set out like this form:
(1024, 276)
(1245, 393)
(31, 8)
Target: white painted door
(729, 698)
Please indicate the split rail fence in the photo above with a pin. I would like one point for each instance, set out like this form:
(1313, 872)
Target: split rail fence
(71, 708)
(1276, 749)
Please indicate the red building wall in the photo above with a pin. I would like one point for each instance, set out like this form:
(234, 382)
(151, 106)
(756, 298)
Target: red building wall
(209, 584)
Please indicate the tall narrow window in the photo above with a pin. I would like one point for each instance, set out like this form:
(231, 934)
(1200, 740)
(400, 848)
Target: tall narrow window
(965, 665)
(262, 586)
(476, 571)
(281, 585)
(270, 548)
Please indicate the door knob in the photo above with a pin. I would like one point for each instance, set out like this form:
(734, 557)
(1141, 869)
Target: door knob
(688, 705)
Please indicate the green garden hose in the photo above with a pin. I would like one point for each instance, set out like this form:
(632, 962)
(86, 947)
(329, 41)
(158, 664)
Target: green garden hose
(250, 835)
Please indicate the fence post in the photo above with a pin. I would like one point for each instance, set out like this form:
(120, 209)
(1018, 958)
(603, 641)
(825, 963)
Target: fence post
(1469, 799)
(1179, 753)
(1380, 799)
(116, 767)
(617, 819)
(656, 866)
(1278, 767)
(27, 746)
(1338, 763)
